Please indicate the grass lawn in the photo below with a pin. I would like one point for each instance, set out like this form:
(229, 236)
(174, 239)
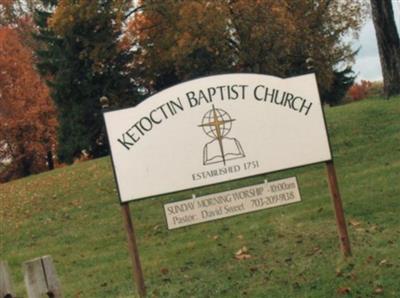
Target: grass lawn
(73, 215)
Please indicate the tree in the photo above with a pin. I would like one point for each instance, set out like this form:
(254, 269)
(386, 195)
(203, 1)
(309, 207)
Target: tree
(83, 59)
(27, 116)
(179, 40)
(388, 45)
(17, 13)
(12, 11)
(343, 80)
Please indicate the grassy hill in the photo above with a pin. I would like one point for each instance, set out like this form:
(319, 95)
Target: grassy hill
(73, 214)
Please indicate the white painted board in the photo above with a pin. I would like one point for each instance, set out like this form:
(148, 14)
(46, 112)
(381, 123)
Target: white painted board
(215, 129)
(233, 202)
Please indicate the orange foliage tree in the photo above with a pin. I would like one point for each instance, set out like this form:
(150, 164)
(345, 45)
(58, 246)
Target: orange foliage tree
(18, 14)
(27, 115)
(360, 90)
(179, 40)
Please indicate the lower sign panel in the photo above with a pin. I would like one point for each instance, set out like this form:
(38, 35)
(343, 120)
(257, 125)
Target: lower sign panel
(233, 202)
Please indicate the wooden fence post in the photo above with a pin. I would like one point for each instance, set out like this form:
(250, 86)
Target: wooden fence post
(6, 287)
(41, 278)
(338, 207)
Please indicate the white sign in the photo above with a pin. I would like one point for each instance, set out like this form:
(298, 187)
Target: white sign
(233, 202)
(216, 129)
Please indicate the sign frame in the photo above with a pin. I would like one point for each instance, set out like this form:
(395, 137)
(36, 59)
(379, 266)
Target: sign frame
(137, 272)
(107, 110)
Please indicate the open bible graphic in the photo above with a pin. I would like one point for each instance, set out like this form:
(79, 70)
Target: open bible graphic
(217, 124)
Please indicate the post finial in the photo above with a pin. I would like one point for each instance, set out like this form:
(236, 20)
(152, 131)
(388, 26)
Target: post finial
(104, 102)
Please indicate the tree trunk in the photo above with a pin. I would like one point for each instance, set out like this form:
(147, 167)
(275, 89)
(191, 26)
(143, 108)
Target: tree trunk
(50, 162)
(388, 45)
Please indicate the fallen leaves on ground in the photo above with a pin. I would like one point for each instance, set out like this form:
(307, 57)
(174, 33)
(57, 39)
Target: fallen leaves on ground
(242, 254)
(378, 290)
(164, 271)
(343, 290)
(385, 263)
(354, 222)
(314, 251)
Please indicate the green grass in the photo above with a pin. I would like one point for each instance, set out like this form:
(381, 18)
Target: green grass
(73, 215)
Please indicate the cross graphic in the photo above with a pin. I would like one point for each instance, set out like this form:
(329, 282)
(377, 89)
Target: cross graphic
(217, 123)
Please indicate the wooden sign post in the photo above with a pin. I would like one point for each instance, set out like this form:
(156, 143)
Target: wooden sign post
(133, 251)
(338, 208)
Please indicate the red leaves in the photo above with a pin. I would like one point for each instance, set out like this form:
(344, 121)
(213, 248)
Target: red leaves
(343, 290)
(27, 116)
(164, 271)
(359, 90)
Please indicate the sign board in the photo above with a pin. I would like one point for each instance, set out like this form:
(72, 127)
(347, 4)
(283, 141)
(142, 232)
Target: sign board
(216, 129)
(233, 202)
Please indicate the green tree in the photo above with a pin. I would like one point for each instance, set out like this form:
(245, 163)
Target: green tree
(83, 59)
(343, 80)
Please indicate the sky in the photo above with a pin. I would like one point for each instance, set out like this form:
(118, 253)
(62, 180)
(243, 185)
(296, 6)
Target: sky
(367, 64)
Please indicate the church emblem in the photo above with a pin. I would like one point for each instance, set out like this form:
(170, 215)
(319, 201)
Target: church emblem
(217, 124)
